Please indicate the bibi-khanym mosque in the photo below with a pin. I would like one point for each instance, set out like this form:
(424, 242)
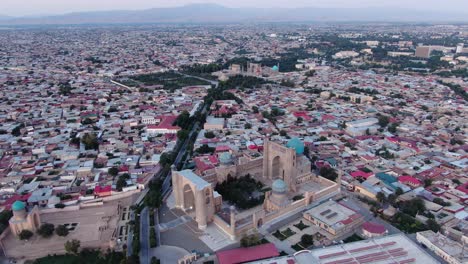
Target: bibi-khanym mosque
(283, 167)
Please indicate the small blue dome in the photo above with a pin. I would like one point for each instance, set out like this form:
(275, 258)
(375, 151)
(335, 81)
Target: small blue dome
(297, 144)
(18, 206)
(225, 158)
(275, 68)
(279, 186)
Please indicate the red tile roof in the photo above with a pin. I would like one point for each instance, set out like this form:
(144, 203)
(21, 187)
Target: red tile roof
(241, 255)
(409, 179)
(463, 188)
(359, 173)
(99, 189)
(373, 228)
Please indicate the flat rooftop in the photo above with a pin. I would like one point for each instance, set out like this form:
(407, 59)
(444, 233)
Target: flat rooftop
(332, 214)
(449, 246)
(382, 250)
(214, 120)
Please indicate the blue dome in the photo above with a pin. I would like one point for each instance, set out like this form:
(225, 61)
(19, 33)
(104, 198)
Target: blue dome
(18, 206)
(279, 186)
(275, 68)
(225, 158)
(296, 144)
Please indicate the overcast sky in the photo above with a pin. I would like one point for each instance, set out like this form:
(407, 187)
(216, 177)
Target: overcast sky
(41, 7)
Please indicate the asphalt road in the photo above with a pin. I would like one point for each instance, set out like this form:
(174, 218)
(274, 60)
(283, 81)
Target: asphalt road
(144, 236)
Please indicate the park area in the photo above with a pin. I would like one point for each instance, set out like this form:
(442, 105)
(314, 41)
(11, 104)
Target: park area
(244, 192)
(166, 80)
(300, 235)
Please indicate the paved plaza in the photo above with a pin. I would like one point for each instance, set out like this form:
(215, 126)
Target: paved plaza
(94, 227)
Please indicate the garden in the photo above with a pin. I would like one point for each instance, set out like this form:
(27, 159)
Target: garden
(245, 192)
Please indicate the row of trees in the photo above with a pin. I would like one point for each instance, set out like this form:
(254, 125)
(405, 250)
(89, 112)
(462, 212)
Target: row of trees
(46, 230)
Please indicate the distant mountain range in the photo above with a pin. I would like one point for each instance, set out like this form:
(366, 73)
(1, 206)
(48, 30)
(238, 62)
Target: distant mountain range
(3, 17)
(212, 13)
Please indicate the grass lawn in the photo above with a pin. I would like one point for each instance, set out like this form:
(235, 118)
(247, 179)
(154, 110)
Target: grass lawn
(288, 232)
(297, 247)
(279, 236)
(301, 225)
(353, 238)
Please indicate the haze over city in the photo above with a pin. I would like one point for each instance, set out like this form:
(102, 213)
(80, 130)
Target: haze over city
(49, 7)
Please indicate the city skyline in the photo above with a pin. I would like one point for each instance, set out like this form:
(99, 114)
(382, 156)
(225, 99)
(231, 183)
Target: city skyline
(55, 7)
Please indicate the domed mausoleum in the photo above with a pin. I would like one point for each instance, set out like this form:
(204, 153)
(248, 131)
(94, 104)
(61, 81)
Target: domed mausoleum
(279, 186)
(22, 220)
(296, 144)
(279, 195)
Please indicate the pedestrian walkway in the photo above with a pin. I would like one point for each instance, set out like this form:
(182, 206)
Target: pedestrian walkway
(216, 239)
(280, 245)
(169, 254)
(174, 223)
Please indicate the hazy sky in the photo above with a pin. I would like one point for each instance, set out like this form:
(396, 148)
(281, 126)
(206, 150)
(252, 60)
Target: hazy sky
(39, 7)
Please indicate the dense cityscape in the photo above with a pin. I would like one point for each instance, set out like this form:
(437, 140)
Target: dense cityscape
(263, 143)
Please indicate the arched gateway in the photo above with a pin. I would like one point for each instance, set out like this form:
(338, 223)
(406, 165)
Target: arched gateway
(195, 196)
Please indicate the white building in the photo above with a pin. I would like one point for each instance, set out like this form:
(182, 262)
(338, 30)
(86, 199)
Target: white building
(444, 247)
(359, 127)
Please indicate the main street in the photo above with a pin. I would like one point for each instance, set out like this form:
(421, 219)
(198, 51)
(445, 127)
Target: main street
(144, 236)
(166, 186)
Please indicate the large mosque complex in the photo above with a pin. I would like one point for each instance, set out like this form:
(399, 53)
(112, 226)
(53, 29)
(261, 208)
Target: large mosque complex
(284, 167)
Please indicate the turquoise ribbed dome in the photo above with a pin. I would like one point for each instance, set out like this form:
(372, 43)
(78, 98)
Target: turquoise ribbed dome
(275, 68)
(296, 144)
(225, 158)
(18, 206)
(279, 186)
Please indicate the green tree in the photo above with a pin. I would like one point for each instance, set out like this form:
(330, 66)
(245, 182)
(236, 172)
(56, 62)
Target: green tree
(61, 230)
(25, 235)
(122, 182)
(209, 134)
(72, 246)
(250, 240)
(247, 126)
(183, 120)
(433, 225)
(413, 206)
(167, 158)
(182, 134)
(328, 173)
(113, 171)
(17, 130)
(383, 120)
(307, 240)
(46, 230)
(153, 199)
(427, 182)
(380, 197)
(456, 181)
(398, 191)
(204, 149)
(90, 141)
(393, 128)
(5, 216)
